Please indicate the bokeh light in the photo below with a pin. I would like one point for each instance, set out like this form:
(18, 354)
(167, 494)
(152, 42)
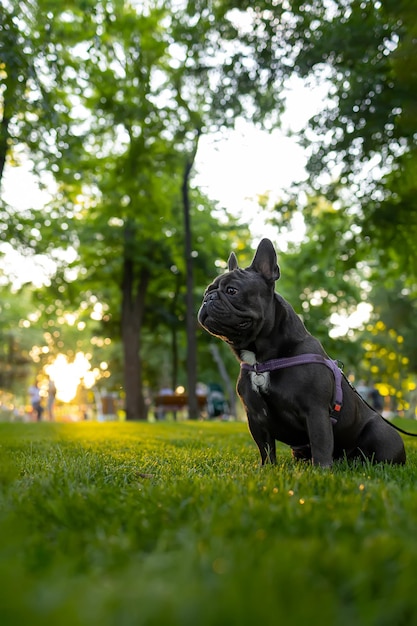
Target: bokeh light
(68, 375)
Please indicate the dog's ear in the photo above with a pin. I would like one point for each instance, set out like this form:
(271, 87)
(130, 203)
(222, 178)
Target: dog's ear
(265, 261)
(232, 262)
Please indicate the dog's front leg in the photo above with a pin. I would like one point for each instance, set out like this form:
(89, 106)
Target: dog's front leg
(257, 414)
(320, 432)
(263, 439)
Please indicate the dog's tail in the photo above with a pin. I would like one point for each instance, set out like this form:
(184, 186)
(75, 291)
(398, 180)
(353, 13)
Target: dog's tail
(400, 430)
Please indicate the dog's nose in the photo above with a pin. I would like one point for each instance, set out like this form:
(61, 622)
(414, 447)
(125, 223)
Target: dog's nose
(212, 295)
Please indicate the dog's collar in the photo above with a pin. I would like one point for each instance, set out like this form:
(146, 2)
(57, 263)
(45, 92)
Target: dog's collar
(304, 359)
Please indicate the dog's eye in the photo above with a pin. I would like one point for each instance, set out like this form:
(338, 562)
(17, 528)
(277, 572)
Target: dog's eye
(231, 291)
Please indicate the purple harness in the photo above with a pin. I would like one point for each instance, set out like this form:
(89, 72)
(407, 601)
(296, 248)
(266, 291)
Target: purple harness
(304, 359)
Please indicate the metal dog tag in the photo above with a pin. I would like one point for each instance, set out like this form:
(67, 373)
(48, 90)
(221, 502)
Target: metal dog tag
(258, 380)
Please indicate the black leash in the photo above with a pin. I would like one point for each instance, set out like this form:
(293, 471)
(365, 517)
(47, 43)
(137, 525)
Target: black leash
(404, 432)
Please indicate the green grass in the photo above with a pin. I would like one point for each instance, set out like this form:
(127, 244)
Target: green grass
(176, 524)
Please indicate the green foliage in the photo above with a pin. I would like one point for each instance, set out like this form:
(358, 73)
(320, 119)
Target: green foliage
(386, 363)
(395, 308)
(151, 523)
(323, 277)
(17, 337)
(364, 136)
(361, 144)
(390, 342)
(365, 51)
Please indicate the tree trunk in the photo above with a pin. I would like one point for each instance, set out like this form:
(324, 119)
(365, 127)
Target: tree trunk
(174, 334)
(230, 387)
(4, 136)
(133, 306)
(190, 323)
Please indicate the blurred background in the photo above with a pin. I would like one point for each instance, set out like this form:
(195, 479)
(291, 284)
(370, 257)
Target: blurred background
(141, 142)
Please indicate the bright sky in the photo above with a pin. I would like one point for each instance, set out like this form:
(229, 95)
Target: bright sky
(245, 163)
(241, 164)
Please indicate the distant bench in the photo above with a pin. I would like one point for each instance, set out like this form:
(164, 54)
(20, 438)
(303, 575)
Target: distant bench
(171, 403)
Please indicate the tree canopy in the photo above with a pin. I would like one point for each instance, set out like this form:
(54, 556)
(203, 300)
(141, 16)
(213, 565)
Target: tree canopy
(363, 140)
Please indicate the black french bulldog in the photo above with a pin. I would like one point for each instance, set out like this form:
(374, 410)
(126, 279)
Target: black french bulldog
(291, 390)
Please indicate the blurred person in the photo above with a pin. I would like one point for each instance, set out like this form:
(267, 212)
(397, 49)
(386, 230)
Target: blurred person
(51, 399)
(376, 399)
(35, 400)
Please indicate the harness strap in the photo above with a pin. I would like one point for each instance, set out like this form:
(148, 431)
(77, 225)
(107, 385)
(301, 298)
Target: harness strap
(304, 359)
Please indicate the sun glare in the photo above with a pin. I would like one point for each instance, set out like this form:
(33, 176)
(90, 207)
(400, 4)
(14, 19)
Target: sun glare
(67, 376)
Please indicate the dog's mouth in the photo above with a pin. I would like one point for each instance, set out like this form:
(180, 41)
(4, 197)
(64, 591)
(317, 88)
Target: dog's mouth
(223, 323)
(220, 327)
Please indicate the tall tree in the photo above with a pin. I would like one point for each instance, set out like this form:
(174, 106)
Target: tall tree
(193, 408)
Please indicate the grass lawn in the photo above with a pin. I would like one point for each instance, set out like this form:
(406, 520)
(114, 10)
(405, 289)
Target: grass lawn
(176, 524)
